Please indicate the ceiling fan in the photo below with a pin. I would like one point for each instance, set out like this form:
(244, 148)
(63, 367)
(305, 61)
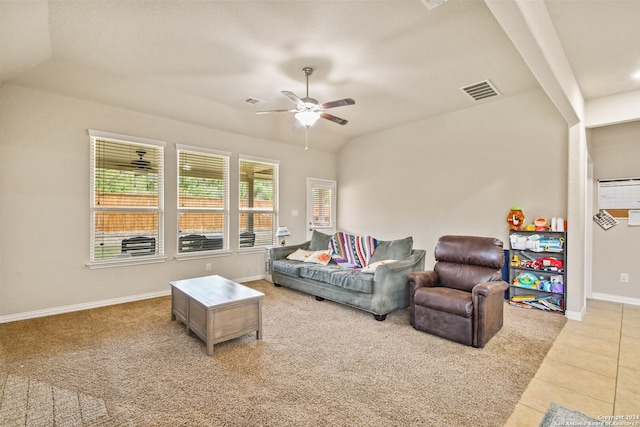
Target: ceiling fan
(308, 110)
(139, 166)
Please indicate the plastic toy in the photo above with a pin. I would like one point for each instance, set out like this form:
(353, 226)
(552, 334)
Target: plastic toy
(557, 284)
(540, 224)
(545, 285)
(557, 288)
(549, 264)
(551, 244)
(536, 243)
(526, 280)
(515, 219)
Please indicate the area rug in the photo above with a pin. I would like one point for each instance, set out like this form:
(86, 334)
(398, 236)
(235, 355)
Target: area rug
(318, 363)
(560, 416)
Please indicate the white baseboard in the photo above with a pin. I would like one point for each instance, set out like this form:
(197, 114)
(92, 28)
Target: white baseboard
(251, 278)
(79, 307)
(96, 304)
(615, 298)
(579, 315)
(576, 315)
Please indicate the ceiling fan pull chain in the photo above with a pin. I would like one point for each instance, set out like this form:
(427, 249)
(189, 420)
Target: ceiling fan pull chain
(306, 138)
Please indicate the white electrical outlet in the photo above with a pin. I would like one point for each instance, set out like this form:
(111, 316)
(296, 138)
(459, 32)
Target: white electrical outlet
(208, 266)
(624, 277)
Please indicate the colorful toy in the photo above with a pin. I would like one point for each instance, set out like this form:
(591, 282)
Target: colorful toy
(557, 288)
(528, 264)
(526, 280)
(545, 285)
(540, 224)
(551, 244)
(515, 219)
(557, 284)
(549, 264)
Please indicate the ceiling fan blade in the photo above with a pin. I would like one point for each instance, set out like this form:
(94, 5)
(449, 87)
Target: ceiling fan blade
(276, 111)
(134, 167)
(334, 119)
(338, 103)
(292, 96)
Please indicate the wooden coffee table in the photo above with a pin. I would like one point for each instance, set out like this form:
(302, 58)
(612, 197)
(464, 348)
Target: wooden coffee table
(216, 309)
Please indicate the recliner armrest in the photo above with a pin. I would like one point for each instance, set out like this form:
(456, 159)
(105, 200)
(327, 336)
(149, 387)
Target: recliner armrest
(422, 279)
(419, 279)
(488, 300)
(489, 288)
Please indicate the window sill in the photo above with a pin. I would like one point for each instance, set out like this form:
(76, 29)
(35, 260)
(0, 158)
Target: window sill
(123, 262)
(202, 254)
(254, 250)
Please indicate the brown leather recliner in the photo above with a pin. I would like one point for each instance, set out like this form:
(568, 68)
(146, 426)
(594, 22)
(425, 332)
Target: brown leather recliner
(462, 299)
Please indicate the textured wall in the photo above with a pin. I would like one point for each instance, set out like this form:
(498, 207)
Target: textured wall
(44, 200)
(615, 151)
(457, 174)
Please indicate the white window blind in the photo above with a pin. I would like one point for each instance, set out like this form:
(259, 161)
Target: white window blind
(126, 198)
(258, 202)
(203, 200)
(323, 204)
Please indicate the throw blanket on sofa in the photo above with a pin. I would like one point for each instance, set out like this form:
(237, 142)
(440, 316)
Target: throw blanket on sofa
(349, 249)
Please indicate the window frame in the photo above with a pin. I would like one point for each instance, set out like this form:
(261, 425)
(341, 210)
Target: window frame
(94, 136)
(225, 209)
(327, 185)
(275, 164)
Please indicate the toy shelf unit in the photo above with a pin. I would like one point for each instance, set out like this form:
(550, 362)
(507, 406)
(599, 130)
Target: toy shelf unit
(537, 269)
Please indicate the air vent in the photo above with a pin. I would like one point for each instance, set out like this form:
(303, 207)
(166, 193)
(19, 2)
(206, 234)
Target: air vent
(253, 101)
(481, 90)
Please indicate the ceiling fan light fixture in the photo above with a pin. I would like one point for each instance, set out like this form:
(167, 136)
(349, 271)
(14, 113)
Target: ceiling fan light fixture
(307, 118)
(308, 110)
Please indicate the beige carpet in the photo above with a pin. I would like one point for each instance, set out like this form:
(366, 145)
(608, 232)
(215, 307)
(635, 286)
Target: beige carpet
(319, 363)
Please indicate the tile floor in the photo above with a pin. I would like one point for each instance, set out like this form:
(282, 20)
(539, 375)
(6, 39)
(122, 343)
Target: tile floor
(593, 367)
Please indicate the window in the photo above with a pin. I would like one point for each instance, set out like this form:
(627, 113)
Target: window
(126, 199)
(203, 200)
(321, 203)
(258, 202)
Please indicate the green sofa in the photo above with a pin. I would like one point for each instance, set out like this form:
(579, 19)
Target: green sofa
(378, 293)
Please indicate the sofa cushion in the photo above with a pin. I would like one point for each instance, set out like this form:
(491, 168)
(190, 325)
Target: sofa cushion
(332, 274)
(392, 249)
(319, 241)
(353, 280)
(321, 273)
(290, 268)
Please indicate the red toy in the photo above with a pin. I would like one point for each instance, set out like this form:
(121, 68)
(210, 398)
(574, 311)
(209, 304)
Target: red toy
(549, 264)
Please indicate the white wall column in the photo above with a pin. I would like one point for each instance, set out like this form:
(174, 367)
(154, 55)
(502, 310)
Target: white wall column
(529, 27)
(577, 197)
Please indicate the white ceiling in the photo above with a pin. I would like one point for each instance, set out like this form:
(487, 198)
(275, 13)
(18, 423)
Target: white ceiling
(197, 61)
